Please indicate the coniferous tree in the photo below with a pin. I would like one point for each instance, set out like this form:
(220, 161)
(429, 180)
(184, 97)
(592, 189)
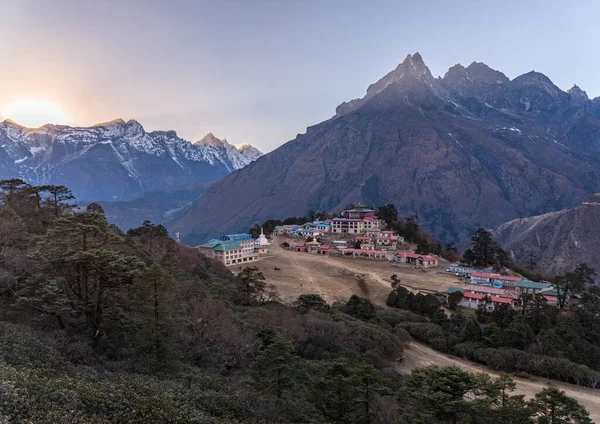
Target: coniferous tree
(553, 406)
(275, 371)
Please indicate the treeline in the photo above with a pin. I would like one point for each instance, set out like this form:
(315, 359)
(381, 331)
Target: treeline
(98, 325)
(535, 339)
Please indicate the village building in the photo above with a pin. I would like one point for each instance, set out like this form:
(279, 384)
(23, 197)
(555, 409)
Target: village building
(473, 300)
(321, 227)
(299, 246)
(307, 232)
(245, 241)
(228, 252)
(494, 279)
(340, 244)
(460, 270)
(366, 254)
(367, 246)
(281, 230)
(482, 277)
(373, 232)
(425, 261)
(387, 242)
(325, 249)
(356, 221)
(531, 287)
(362, 239)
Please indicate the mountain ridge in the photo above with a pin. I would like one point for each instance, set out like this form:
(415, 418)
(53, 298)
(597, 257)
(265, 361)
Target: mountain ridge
(556, 241)
(113, 160)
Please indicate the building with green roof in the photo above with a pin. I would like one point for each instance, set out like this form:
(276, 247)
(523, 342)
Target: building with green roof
(228, 251)
(527, 286)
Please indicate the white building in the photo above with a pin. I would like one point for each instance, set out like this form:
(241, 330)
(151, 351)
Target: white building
(231, 249)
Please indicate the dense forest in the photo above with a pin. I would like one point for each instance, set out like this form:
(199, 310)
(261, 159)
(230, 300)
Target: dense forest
(98, 326)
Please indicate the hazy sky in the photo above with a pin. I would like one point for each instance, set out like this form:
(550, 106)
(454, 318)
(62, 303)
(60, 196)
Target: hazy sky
(262, 71)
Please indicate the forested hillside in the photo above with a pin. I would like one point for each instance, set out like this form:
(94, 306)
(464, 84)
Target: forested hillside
(98, 326)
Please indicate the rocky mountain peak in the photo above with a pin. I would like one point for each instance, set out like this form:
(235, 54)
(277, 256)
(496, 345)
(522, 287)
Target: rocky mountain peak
(578, 94)
(12, 123)
(210, 140)
(410, 72)
(479, 71)
(114, 122)
(415, 62)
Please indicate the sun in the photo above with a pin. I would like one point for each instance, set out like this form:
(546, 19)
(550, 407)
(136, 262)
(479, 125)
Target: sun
(35, 113)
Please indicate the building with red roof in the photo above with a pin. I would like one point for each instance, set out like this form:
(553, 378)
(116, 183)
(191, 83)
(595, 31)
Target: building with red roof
(407, 257)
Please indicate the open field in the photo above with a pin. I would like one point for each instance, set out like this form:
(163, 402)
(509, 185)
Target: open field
(336, 279)
(418, 355)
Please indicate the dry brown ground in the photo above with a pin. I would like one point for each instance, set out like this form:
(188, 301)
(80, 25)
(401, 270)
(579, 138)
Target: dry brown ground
(336, 279)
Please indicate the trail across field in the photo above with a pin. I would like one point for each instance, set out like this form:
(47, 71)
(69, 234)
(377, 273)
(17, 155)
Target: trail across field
(418, 355)
(337, 278)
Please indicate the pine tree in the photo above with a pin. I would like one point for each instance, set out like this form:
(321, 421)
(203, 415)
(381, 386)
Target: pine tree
(59, 196)
(275, 370)
(252, 286)
(553, 406)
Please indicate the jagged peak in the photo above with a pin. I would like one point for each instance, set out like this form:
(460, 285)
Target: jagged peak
(118, 121)
(133, 122)
(210, 139)
(479, 71)
(578, 94)
(13, 123)
(456, 71)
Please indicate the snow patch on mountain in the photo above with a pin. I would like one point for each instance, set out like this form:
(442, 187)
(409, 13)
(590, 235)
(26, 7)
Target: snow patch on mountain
(148, 160)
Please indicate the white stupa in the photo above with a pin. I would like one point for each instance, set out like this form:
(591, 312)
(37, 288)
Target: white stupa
(262, 239)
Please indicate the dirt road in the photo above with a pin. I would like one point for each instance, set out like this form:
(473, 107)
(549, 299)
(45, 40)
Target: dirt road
(420, 355)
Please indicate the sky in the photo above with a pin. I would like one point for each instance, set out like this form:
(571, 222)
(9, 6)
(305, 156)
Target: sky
(260, 72)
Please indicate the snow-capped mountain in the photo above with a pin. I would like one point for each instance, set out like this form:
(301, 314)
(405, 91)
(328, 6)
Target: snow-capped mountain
(114, 160)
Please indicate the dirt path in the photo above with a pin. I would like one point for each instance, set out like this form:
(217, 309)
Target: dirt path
(419, 355)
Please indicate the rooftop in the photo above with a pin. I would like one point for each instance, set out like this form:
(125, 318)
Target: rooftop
(221, 246)
(454, 290)
(240, 235)
(526, 284)
(416, 255)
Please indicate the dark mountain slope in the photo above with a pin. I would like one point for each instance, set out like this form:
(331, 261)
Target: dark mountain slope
(457, 162)
(556, 241)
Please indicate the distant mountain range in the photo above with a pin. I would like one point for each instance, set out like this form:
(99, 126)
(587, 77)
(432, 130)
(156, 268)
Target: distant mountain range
(116, 160)
(471, 149)
(557, 241)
